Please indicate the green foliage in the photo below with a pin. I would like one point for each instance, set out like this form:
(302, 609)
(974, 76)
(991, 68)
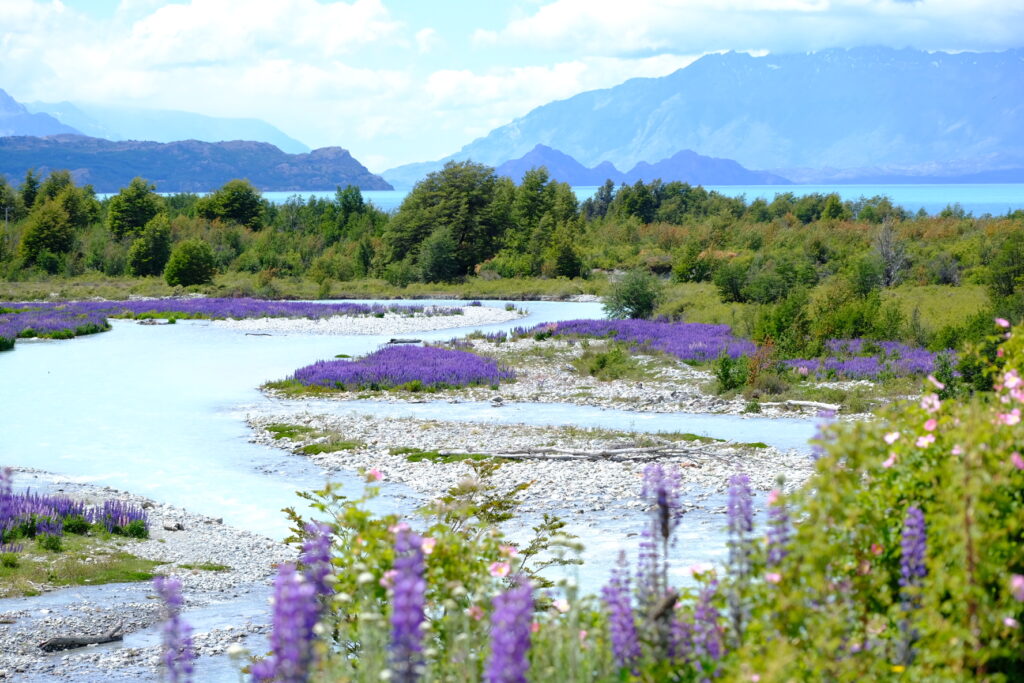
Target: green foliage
(283, 430)
(331, 446)
(730, 373)
(636, 295)
(49, 232)
(29, 189)
(614, 363)
(76, 525)
(236, 202)
(150, 252)
(190, 263)
(50, 542)
(438, 258)
(841, 581)
(132, 208)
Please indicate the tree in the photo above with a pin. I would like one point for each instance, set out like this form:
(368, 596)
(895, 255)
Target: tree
(55, 183)
(191, 263)
(29, 188)
(462, 197)
(437, 259)
(132, 208)
(892, 252)
(636, 295)
(49, 230)
(236, 202)
(149, 253)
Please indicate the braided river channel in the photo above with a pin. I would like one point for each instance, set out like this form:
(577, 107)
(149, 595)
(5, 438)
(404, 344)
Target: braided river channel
(160, 411)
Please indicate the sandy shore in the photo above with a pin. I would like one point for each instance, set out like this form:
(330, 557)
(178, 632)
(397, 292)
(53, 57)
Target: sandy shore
(81, 611)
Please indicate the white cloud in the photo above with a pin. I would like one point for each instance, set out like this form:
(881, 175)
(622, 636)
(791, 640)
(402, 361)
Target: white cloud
(427, 40)
(646, 26)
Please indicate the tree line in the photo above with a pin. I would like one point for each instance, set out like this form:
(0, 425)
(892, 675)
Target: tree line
(464, 221)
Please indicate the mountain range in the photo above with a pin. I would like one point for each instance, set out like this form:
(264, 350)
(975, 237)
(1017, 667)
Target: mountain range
(848, 113)
(686, 166)
(162, 125)
(15, 119)
(185, 166)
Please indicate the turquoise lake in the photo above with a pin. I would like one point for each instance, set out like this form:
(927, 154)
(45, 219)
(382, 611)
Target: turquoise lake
(978, 199)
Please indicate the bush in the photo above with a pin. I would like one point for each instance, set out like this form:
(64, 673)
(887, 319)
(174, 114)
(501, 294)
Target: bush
(149, 253)
(50, 542)
(191, 263)
(136, 528)
(731, 373)
(76, 524)
(635, 296)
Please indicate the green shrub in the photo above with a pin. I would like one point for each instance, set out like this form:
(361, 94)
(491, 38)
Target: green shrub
(135, 529)
(615, 363)
(636, 295)
(9, 560)
(75, 524)
(191, 263)
(730, 373)
(50, 542)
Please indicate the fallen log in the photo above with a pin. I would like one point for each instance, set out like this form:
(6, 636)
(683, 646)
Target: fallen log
(404, 341)
(804, 404)
(73, 642)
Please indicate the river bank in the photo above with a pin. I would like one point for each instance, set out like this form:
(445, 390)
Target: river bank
(217, 564)
(569, 469)
(549, 371)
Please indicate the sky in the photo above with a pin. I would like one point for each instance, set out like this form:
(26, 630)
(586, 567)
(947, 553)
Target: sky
(398, 81)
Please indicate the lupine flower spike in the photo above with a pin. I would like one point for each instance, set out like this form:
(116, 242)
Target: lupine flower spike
(177, 639)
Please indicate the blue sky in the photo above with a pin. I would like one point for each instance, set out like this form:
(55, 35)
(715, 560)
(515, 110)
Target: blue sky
(396, 81)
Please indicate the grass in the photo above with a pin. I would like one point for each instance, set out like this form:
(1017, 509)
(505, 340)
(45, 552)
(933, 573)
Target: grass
(283, 430)
(85, 561)
(331, 446)
(413, 454)
(247, 284)
(939, 305)
(608, 362)
(206, 567)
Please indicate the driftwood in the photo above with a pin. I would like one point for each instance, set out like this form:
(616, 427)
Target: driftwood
(257, 334)
(73, 642)
(805, 404)
(398, 340)
(629, 453)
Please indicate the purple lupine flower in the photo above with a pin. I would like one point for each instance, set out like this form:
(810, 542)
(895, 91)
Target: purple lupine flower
(510, 635)
(648, 569)
(662, 488)
(914, 547)
(741, 505)
(177, 638)
(621, 620)
(407, 607)
(741, 524)
(296, 612)
(779, 532)
(707, 634)
(316, 557)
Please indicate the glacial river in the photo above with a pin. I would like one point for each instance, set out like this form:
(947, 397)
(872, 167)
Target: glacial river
(160, 411)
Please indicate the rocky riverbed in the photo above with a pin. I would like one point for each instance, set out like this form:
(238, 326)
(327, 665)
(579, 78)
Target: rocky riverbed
(390, 323)
(568, 468)
(245, 564)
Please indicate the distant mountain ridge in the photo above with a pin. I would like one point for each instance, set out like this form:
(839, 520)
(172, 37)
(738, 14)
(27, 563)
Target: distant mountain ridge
(15, 119)
(836, 109)
(185, 166)
(685, 165)
(163, 125)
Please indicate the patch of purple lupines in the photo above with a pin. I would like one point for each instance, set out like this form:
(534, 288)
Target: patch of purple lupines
(296, 612)
(42, 514)
(117, 514)
(510, 635)
(75, 318)
(861, 359)
(621, 619)
(408, 604)
(395, 366)
(686, 341)
(178, 652)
